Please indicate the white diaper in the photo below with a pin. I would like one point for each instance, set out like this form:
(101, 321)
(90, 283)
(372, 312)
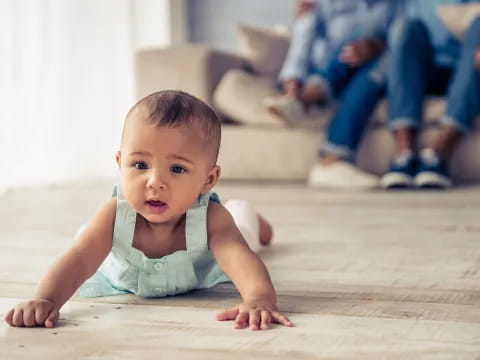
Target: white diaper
(246, 220)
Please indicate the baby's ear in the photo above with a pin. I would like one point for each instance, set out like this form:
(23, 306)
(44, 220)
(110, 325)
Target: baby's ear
(118, 157)
(212, 179)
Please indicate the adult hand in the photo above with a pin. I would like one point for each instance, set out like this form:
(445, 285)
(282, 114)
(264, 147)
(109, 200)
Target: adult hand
(304, 7)
(360, 52)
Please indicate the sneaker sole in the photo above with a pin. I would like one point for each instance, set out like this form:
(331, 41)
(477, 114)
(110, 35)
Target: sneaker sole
(341, 187)
(335, 179)
(432, 180)
(393, 181)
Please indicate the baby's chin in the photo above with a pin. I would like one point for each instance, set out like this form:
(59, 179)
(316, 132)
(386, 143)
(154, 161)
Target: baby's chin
(166, 217)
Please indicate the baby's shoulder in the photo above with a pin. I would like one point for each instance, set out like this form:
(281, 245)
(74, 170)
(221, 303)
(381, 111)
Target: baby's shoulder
(108, 209)
(218, 217)
(107, 213)
(216, 210)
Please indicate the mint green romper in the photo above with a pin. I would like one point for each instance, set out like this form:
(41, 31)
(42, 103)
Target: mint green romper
(128, 270)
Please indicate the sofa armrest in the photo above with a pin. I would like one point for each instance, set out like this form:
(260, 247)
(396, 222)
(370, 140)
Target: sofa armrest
(195, 69)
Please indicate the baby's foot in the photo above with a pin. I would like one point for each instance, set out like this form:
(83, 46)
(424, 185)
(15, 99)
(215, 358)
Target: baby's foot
(266, 231)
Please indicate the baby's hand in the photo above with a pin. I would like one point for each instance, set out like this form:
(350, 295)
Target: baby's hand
(256, 314)
(36, 312)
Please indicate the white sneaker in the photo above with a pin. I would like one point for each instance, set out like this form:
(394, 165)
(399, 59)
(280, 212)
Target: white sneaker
(341, 174)
(288, 108)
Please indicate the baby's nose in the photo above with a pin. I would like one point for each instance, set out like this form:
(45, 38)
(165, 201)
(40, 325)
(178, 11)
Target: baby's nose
(156, 182)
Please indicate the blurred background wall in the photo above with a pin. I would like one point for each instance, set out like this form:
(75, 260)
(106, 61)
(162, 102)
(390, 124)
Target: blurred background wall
(213, 22)
(66, 74)
(67, 82)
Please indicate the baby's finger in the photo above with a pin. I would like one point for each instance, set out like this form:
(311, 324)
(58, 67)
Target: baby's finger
(281, 319)
(41, 315)
(29, 317)
(18, 317)
(266, 320)
(9, 317)
(255, 319)
(228, 314)
(52, 318)
(241, 321)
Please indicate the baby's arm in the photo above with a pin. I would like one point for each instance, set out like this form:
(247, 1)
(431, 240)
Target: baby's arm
(68, 273)
(247, 272)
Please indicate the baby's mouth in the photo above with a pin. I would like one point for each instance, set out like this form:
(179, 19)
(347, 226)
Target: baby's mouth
(156, 206)
(155, 203)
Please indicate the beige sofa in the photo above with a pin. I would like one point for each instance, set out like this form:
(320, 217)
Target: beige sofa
(260, 146)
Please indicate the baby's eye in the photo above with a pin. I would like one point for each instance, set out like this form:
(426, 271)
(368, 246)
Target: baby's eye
(140, 165)
(178, 169)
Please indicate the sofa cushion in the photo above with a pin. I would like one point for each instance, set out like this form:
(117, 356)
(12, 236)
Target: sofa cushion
(458, 17)
(249, 152)
(239, 96)
(264, 49)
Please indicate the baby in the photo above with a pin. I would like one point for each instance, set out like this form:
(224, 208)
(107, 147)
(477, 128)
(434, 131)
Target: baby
(164, 232)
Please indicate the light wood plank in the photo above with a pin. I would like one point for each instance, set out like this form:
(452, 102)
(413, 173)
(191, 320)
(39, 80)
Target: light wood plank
(363, 276)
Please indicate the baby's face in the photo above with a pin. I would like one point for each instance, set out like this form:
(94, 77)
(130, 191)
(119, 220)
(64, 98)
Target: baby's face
(164, 170)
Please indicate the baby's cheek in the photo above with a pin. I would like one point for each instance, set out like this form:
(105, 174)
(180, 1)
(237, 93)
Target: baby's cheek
(133, 197)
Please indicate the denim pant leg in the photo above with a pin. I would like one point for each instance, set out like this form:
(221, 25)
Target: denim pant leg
(297, 61)
(463, 104)
(411, 60)
(334, 77)
(358, 101)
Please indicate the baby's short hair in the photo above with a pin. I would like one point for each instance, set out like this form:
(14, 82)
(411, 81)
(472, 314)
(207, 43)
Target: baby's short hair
(174, 108)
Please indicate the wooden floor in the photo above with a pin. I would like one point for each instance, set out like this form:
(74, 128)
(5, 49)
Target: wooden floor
(362, 275)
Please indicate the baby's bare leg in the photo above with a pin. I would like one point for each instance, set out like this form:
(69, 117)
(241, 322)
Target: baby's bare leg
(265, 231)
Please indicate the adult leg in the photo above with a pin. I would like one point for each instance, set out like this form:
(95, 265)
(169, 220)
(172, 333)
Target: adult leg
(295, 68)
(297, 61)
(358, 100)
(323, 85)
(463, 106)
(411, 60)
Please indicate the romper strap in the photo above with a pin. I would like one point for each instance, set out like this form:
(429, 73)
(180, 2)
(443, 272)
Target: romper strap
(196, 224)
(125, 220)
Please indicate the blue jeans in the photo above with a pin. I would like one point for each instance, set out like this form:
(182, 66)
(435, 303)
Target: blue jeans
(358, 91)
(307, 30)
(413, 74)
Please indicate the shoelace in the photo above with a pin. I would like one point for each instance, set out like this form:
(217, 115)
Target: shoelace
(430, 157)
(403, 159)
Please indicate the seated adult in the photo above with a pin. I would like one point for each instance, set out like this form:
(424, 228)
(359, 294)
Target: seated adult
(335, 53)
(427, 59)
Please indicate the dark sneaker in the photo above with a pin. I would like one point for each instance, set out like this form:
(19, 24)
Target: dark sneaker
(401, 173)
(432, 171)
